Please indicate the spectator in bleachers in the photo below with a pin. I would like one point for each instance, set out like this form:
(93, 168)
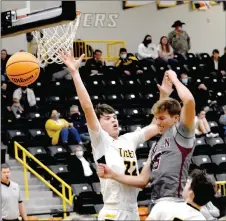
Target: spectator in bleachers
(86, 169)
(199, 89)
(223, 63)
(5, 101)
(4, 58)
(79, 123)
(64, 73)
(202, 126)
(147, 51)
(57, 127)
(179, 39)
(127, 63)
(214, 61)
(25, 97)
(96, 64)
(165, 51)
(17, 108)
(222, 120)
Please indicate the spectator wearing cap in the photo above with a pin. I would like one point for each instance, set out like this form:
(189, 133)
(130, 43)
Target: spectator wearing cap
(11, 202)
(222, 119)
(179, 39)
(127, 63)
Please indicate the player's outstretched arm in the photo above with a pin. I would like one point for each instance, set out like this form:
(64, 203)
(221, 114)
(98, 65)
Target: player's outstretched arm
(103, 171)
(85, 101)
(188, 110)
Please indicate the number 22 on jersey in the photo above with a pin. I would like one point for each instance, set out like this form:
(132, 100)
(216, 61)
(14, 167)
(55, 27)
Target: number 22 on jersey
(131, 168)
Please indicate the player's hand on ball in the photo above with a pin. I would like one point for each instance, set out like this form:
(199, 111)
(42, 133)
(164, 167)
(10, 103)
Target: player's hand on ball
(103, 171)
(69, 60)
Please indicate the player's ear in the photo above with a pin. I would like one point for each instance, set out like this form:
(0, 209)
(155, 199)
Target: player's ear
(191, 195)
(176, 118)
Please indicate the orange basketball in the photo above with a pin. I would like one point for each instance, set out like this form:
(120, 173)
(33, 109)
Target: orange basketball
(22, 68)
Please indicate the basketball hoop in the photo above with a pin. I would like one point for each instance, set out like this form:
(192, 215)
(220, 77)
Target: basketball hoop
(52, 40)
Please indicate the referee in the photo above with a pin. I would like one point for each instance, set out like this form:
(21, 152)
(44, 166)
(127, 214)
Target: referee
(12, 205)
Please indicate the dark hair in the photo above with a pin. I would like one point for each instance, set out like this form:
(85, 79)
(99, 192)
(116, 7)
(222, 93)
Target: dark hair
(4, 51)
(145, 42)
(202, 186)
(97, 50)
(5, 166)
(103, 109)
(170, 105)
(122, 50)
(216, 51)
(167, 45)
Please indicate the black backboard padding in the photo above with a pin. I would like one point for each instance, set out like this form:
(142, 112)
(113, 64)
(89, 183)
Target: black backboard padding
(68, 14)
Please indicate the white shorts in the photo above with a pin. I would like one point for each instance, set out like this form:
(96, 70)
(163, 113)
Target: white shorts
(116, 214)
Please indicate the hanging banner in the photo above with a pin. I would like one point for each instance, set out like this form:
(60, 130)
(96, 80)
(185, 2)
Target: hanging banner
(204, 5)
(133, 4)
(169, 4)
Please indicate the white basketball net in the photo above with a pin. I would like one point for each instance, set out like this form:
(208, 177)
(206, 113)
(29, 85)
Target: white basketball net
(51, 40)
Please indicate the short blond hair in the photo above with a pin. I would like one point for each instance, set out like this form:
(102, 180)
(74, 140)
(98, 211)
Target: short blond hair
(170, 105)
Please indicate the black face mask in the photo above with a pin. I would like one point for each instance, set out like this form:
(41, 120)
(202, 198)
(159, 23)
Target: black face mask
(149, 41)
(75, 117)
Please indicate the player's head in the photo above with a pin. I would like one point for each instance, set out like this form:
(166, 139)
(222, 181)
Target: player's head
(108, 119)
(5, 173)
(166, 113)
(199, 189)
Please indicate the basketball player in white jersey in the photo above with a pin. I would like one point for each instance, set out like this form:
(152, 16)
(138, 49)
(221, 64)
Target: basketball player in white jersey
(169, 159)
(199, 190)
(118, 152)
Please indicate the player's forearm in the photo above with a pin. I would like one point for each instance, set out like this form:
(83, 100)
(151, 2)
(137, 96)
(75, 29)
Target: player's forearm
(82, 93)
(135, 181)
(184, 94)
(22, 211)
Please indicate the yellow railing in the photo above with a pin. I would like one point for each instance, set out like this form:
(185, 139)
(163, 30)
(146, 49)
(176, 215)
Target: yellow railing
(23, 161)
(222, 186)
(110, 48)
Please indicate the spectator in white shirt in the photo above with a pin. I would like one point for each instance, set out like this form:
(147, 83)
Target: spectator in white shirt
(165, 51)
(147, 50)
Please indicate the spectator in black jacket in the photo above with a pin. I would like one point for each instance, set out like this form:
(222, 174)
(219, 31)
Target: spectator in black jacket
(214, 61)
(5, 100)
(4, 58)
(96, 64)
(79, 123)
(223, 63)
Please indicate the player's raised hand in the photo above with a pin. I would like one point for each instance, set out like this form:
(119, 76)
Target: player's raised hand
(103, 171)
(166, 88)
(171, 75)
(69, 60)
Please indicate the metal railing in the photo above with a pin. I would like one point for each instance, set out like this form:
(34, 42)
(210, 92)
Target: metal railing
(110, 48)
(25, 154)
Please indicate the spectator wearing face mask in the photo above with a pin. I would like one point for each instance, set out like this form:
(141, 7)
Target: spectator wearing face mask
(147, 50)
(25, 97)
(79, 123)
(165, 51)
(57, 127)
(127, 63)
(222, 120)
(179, 39)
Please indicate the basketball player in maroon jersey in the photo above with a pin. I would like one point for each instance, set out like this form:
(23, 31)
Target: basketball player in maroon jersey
(169, 159)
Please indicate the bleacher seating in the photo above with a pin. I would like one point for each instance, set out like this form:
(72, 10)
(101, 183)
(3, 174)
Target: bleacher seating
(133, 98)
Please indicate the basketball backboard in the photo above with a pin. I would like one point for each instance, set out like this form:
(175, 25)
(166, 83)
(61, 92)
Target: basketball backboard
(19, 17)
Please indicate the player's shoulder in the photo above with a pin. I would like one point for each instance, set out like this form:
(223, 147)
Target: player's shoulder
(14, 184)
